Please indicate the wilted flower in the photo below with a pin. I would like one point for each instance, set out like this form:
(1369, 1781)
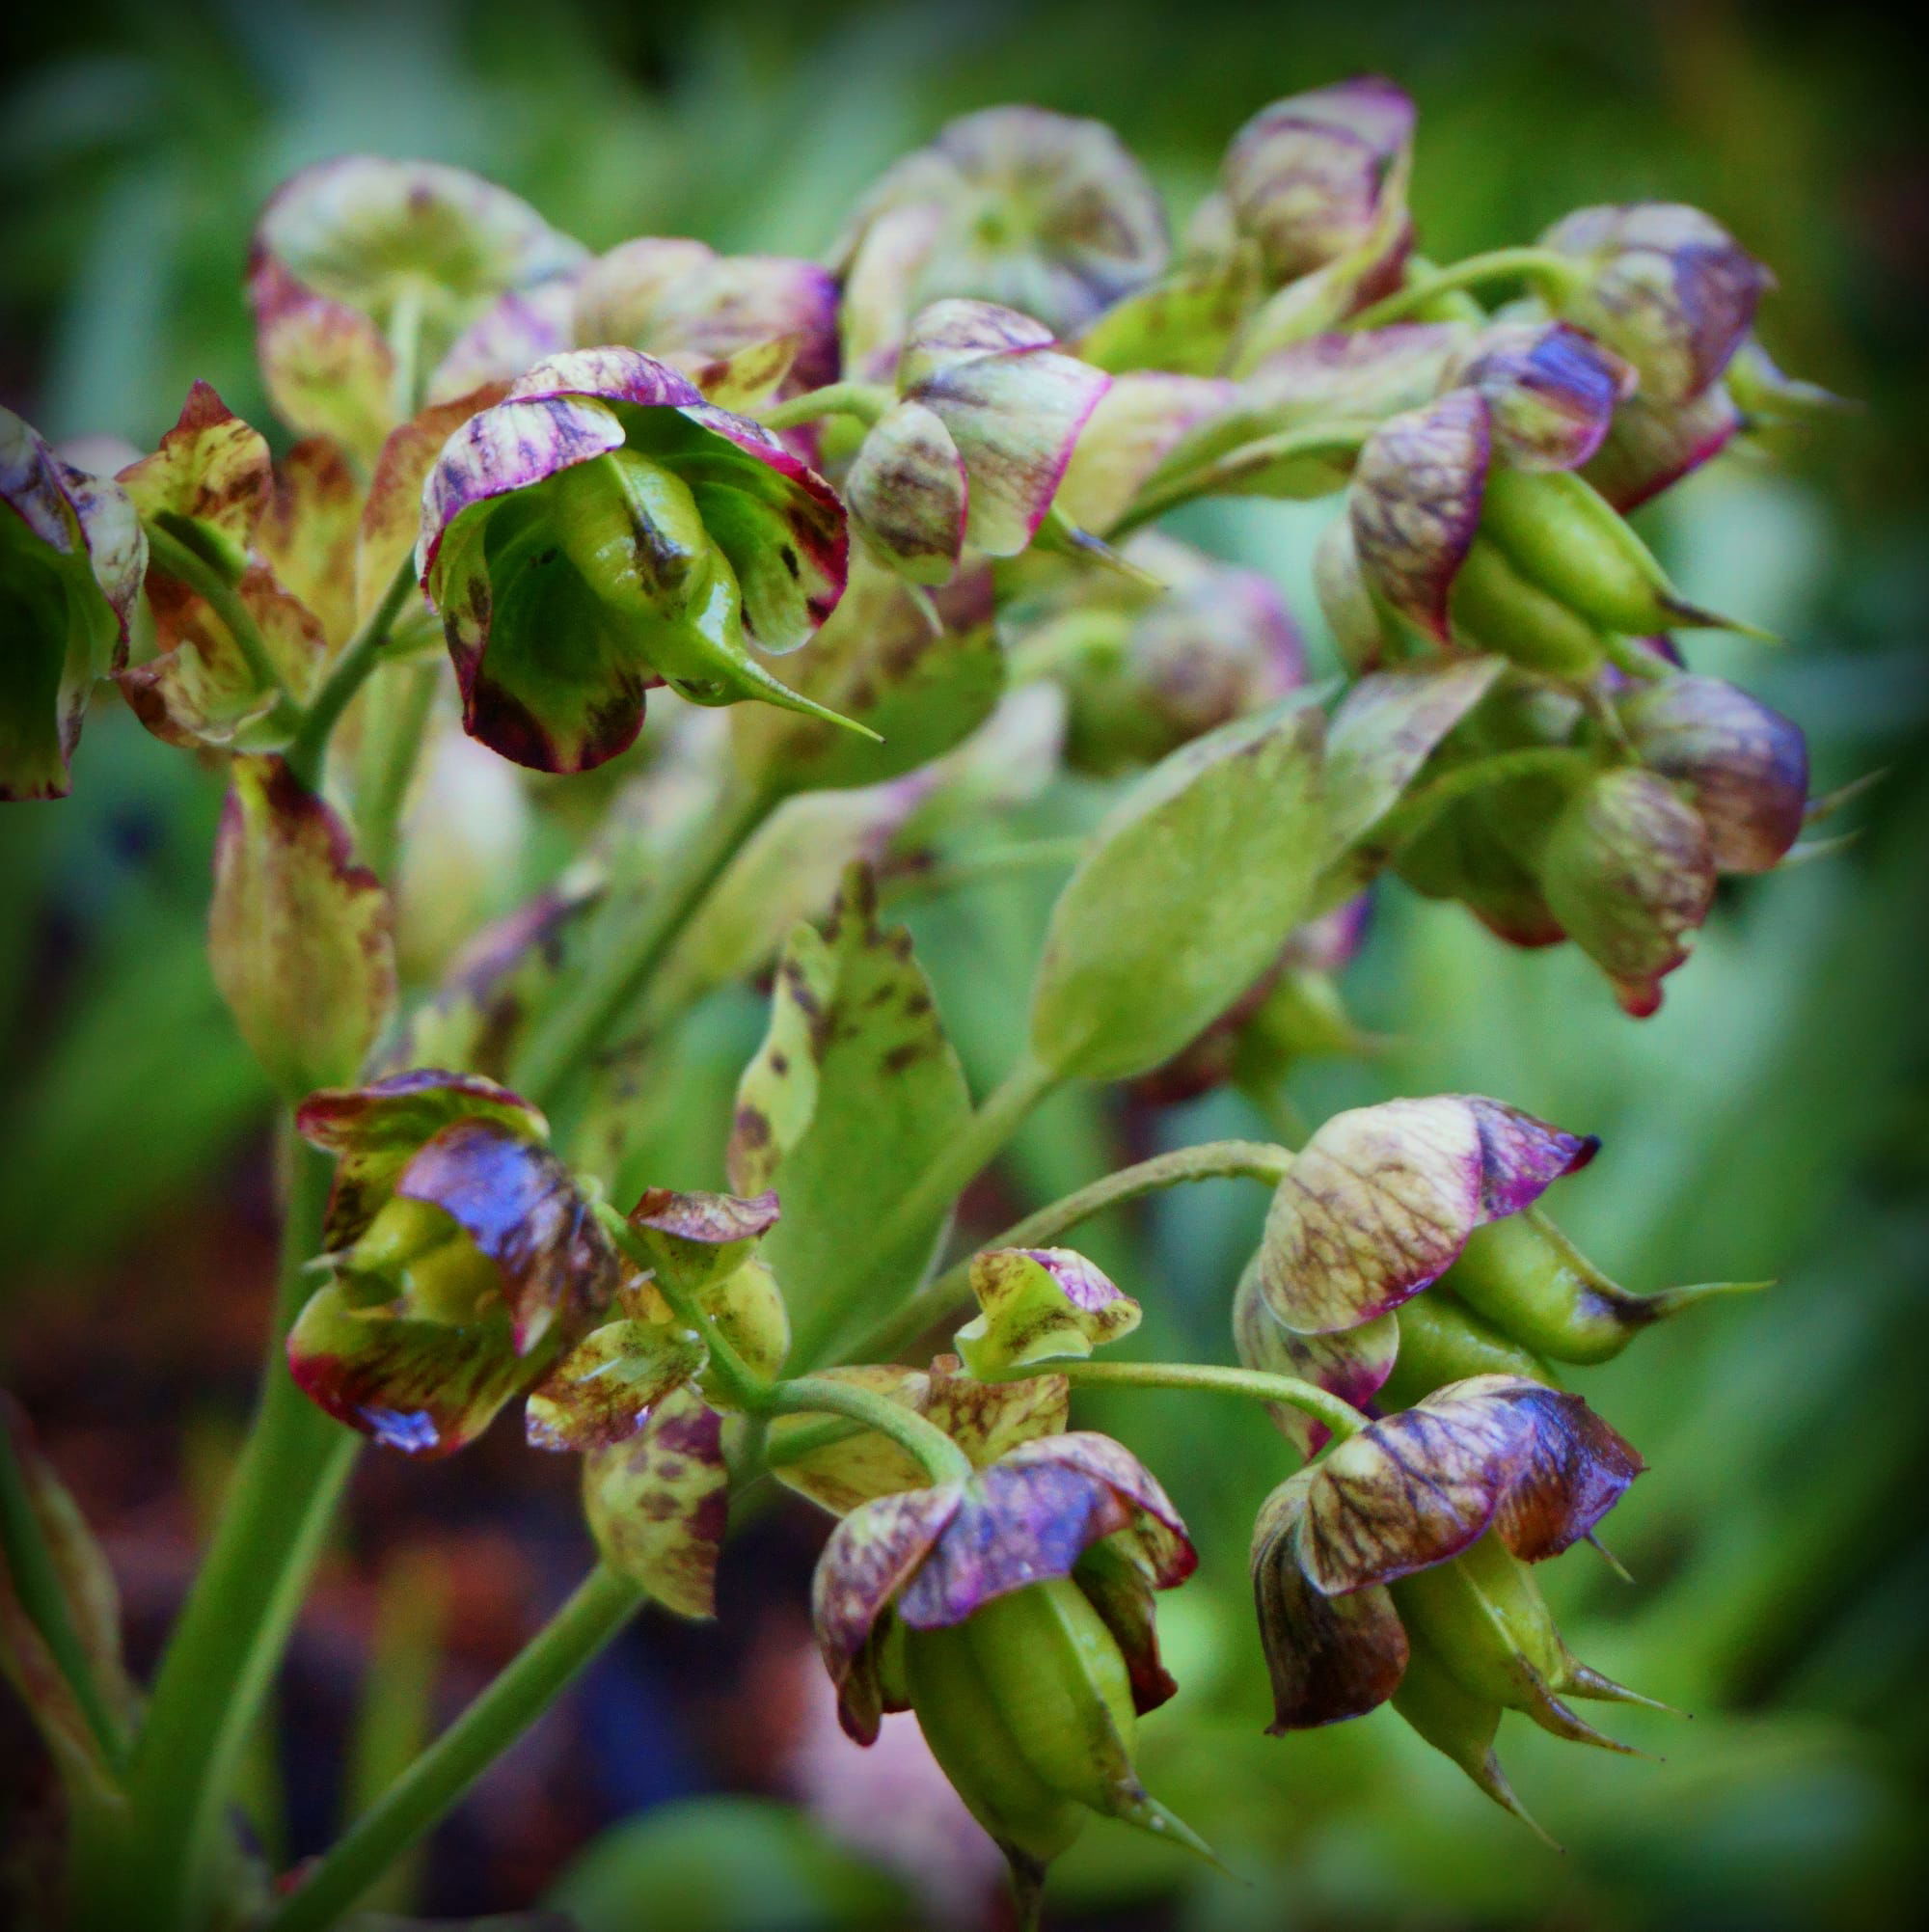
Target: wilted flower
(1395, 1568)
(71, 557)
(973, 449)
(365, 273)
(977, 1604)
(1033, 210)
(464, 1259)
(604, 529)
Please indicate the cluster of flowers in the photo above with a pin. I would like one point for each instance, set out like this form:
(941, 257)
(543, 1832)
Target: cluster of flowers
(933, 460)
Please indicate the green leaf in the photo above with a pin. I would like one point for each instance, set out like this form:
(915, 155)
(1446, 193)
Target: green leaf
(853, 1094)
(1193, 885)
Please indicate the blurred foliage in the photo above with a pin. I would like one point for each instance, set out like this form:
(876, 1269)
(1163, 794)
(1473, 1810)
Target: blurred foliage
(1772, 1119)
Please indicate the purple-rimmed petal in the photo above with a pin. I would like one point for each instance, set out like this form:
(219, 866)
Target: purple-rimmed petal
(521, 1208)
(1553, 391)
(1038, 1305)
(907, 488)
(1533, 1463)
(1744, 767)
(375, 1131)
(520, 330)
(952, 332)
(1667, 287)
(1330, 1657)
(1652, 446)
(1414, 505)
(1136, 425)
(1351, 1363)
(697, 1238)
(603, 1391)
(1382, 1200)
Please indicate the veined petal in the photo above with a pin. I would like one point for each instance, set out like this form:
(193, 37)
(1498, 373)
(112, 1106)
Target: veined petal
(1552, 388)
(603, 1391)
(212, 470)
(1137, 423)
(907, 488)
(1350, 1363)
(1038, 1305)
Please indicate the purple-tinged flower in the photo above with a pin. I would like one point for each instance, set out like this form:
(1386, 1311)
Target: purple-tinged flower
(1033, 210)
(1553, 391)
(1039, 1305)
(72, 555)
(604, 529)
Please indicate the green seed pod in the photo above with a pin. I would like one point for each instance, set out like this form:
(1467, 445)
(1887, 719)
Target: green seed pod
(1494, 608)
(1443, 1341)
(1527, 1279)
(1455, 1722)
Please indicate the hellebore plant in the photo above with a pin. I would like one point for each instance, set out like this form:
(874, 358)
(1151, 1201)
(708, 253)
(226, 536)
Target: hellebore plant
(893, 514)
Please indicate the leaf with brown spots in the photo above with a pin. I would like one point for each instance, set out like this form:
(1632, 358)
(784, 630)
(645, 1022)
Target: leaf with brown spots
(852, 1094)
(658, 1504)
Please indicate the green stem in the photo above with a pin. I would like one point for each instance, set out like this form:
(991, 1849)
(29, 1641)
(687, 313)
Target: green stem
(231, 1634)
(626, 947)
(1551, 273)
(1341, 1417)
(169, 555)
(360, 656)
(395, 723)
(36, 1586)
(1328, 439)
(937, 1456)
(867, 401)
(1419, 809)
(435, 1782)
(951, 1293)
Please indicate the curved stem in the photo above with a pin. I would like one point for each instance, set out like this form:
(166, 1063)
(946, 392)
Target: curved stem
(433, 1785)
(1341, 1417)
(1551, 273)
(951, 1291)
(937, 1456)
(169, 555)
(229, 1638)
(867, 401)
(629, 943)
(360, 656)
(1419, 809)
(1327, 439)
(392, 742)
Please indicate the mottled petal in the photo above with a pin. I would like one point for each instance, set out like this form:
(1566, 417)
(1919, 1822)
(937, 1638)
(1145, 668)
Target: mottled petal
(1330, 1657)
(1113, 1577)
(328, 369)
(308, 532)
(211, 469)
(657, 1505)
(1744, 767)
(1553, 392)
(300, 936)
(695, 1239)
(1654, 445)
(953, 332)
(861, 1464)
(1038, 1305)
(1571, 1470)
(1382, 1200)
(1414, 505)
(1629, 871)
(519, 330)
(986, 1419)
(907, 489)
(602, 1392)
(1352, 1363)
(426, 1388)
(521, 1207)
(1138, 422)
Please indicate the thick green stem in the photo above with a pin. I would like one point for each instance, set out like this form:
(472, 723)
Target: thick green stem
(950, 1292)
(169, 555)
(391, 743)
(360, 656)
(230, 1637)
(626, 947)
(435, 1782)
(865, 401)
(1549, 273)
(937, 1456)
(1236, 465)
(1341, 1417)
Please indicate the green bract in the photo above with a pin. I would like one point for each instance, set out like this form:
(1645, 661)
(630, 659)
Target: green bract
(604, 529)
(71, 558)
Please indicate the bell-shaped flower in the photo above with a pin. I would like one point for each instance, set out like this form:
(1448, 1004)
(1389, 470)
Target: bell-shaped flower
(1399, 1556)
(464, 1259)
(604, 529)
(968, 1602)
(72, 555)
(1666, 286)
(1039, 1305)
(1036, 211)
(973, 449)
(364, 272)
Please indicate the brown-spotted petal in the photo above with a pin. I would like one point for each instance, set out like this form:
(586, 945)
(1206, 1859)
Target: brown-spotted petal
(1744, 767)
(1330, 1657)
(375, 1131)
(523, 1210)
(1350, 1363)
(907, 489)
(211, 471)
(1667, 285)
(1039, 1305)
(659, 1503)
(308, 532)
(1382, 1200)
(1629, 871)
(985, 1419)
(697, 1238)
(860, 1464)
(1553, 391)
(602, 1392)
(426, 1388)
(1414, 505)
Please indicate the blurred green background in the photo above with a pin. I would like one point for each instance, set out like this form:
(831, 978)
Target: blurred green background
(1772, 1119)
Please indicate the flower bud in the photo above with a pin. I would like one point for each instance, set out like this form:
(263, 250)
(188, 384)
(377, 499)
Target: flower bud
(1628, 871)
(1666, 286)
(1744, 767)
(1039, 1305)
(1038, 211)
(72, 555)
(604, 529)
